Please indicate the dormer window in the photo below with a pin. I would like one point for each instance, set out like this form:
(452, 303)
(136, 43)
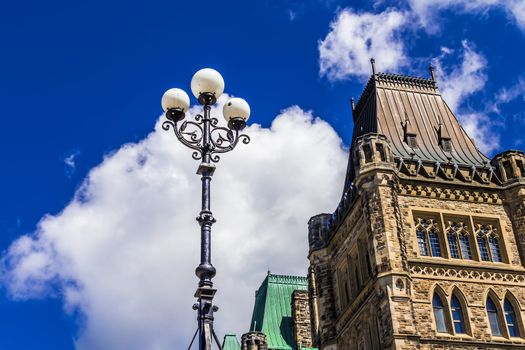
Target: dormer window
(446, 145)
(411, 141)
(410, 134)
(444, 138)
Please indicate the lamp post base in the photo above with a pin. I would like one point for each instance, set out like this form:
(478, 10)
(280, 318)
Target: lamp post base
(205, 310)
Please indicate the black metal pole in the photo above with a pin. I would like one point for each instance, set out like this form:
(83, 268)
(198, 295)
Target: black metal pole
(206, 271)
(206, 148)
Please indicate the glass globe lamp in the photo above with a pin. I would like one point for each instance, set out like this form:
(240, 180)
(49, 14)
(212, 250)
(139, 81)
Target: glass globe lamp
(175, 102)
(236, 111)
(207, 85)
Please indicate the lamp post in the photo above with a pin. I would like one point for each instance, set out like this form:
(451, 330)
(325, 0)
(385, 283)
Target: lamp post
(207, 139)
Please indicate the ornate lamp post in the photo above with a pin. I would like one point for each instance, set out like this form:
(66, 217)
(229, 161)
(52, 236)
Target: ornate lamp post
(207, 139)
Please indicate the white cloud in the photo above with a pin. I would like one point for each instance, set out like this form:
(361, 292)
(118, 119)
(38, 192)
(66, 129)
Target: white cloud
(457, 82)
(354, 38)
(124, 250)
(427, 11)
(70, 162)
(479, 126)
(506, 95)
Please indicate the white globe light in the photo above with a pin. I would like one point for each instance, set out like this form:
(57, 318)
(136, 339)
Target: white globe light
(175, 98)
(207, 80)
(236, 108)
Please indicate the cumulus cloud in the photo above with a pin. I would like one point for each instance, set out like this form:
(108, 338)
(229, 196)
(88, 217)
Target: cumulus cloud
(426, 11)
(480, 127)
(122, 253)
(354, 38)
(457, 83)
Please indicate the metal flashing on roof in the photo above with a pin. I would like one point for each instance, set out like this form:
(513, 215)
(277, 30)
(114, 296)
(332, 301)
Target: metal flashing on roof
(420, 127)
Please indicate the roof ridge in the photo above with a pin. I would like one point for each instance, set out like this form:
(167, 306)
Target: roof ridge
(392, 78)
(406, 79)
(288, 279)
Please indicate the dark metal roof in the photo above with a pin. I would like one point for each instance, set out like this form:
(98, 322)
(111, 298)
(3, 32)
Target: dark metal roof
(394, 105)
(390, 100)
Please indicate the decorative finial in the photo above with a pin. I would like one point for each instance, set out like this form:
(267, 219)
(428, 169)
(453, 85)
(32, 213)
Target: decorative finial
(431, 70)
(352, 102)
(373, 62)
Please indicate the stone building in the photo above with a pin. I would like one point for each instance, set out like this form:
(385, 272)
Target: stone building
(426, 248)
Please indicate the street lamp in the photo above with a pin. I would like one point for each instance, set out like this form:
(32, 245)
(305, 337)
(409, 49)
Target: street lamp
(207, 139)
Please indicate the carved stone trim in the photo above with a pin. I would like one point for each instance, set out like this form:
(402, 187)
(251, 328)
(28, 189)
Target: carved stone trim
(427, 225)
(486, 230)
(464, 273)
(458, 228)
(448, 193)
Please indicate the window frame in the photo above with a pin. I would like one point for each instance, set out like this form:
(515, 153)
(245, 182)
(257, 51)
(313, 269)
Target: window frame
(418, 217)
(500, 321)
(469, 219)
(463, 312)
(517, 314)
(445, 307)
(463, 230)
(476, 222)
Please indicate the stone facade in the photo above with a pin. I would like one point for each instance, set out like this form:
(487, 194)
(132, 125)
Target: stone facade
(302, 327)
(421, 256)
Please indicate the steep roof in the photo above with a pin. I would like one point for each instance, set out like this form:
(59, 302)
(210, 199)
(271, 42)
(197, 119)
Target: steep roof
(397, 105)
(230, 342)
(272, 312)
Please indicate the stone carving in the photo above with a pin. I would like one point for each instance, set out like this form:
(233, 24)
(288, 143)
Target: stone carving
(449, 193)
(472, 274)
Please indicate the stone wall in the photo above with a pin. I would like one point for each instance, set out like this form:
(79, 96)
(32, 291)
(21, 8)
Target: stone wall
(302, 327)
(325, 298)
(395, 305)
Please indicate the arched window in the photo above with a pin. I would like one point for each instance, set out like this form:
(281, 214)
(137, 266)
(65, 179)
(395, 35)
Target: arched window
(510, 317)
(492, 312)
(428, 237)
(422, 242)
(488, 243)
(439, 313)
(457, 315)
(495, 252)
(458, 240)
(368, 153)
(433, 239)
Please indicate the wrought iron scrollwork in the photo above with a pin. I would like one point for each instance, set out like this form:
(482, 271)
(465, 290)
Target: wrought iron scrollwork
(192, 133)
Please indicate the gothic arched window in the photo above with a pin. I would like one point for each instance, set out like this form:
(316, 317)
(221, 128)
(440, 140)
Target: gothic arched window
(458, 240)
(439, 313)
(457, 315)
(492, 312)
(428, 237)
(510, 318)
(488, 243)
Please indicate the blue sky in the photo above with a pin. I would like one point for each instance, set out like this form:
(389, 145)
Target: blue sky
(80, 80)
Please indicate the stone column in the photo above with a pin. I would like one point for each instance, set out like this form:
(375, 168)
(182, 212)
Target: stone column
(302, 327)
(254, 341)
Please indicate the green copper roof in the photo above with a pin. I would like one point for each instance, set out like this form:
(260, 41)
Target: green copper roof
(272, 312)
(230, 342)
